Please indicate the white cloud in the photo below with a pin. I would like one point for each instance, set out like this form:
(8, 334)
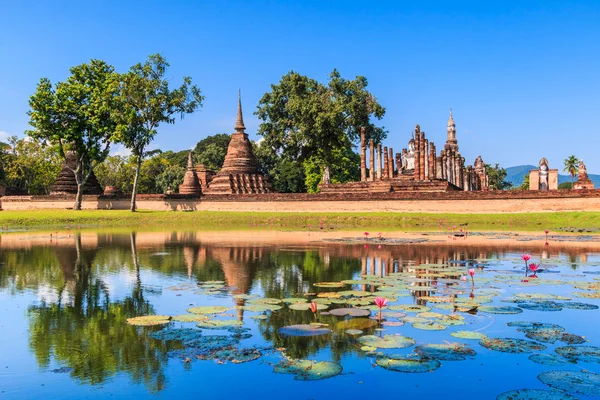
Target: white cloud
(120, 150)
(4, 136)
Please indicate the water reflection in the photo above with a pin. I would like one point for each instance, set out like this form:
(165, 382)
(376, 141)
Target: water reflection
(88, 285)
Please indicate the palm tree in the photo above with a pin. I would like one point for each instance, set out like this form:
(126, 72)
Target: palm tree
(571, 165)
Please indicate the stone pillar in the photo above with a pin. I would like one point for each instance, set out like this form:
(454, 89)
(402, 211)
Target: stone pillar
(399, 163)
(363, 156)
(371, 160)
(426, 148)
(465, 180)
(379, 160)
(391, 163)
(457, 169)
(385, 163)
(438, 168)
(432, 161)
(422, 159)
(449, 167)
(417, 156)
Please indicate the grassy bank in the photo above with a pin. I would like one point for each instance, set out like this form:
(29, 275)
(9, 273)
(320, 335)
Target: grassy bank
(50, 219)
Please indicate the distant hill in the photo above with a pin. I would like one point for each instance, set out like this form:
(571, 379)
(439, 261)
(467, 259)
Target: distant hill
(515, 175)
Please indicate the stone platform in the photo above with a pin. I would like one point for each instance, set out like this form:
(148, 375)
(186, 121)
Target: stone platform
(399, 184)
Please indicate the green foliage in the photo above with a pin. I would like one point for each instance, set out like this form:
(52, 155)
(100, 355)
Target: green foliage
(565, 185)
(78, 115)
(571, 166)
(304, 119)
(496, 177)
(116, 171)
(211, 151)
(29, 166)
(170, 178)
(345, 168)
(525, 184)
(146, 102)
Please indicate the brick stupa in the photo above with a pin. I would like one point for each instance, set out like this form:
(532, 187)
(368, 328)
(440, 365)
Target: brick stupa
(239, 173)
(67, 184)
(191, 183)
(583, 180)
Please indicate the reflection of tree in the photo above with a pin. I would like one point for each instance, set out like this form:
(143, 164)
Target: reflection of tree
(90, 333)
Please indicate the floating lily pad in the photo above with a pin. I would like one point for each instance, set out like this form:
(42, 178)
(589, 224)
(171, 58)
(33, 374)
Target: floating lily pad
(149, 320)
(553, 335)
(266, 300)
(262, 307)
(541, 306)
(539, 296)
(549, 359)
(307, 370)
(183, 334)
(304, 330)
(219, 324)
(353, 332)
(354, 293)
(189, 318)
(294, 300)
(208, 310)
(412, 308)
(234, 355)
(429, 326)
(401, 363)
(500, 309)
(580, 382)
(392, 323)
(578, 306)
(535, 394)
(330, 284)
(387, 342)
(260, 317)
(468, 335)
(351, 311)
(356, 323)
(580, 353)
(445, 351)
(587, 295)
(306, 306)
(329, 295)
(510, 345)
(531, 326)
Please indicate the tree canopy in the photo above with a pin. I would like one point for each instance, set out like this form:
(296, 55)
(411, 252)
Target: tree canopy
(497, 177)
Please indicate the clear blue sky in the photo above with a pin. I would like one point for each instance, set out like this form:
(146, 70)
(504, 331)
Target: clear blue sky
(522, 77)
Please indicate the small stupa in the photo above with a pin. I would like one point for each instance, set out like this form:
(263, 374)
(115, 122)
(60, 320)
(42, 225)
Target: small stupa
(583, 180)
(191, 183)
(66, 183)
(239, 173)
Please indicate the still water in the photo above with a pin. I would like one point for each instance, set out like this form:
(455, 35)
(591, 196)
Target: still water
(65, 305)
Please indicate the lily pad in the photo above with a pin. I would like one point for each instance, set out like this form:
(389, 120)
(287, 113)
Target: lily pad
(351, 311)
(578, 306)
(304, 330)
(401, 363)
(294, 300)
(580, 353)
(189, 318)
(534, 394)
(183, 334)
(553, 335)
(541, 306)
(387, 342)
(306, 306)
(354, 293)
(549, 359)
(234, 355)
(219, 324)
(208, 310)
(500, 309)
(412, 308)
(468, 335)
(257, 307)
(445, 351)
(356, 323)
(580, 382)
(429, 326)
(149, 320)
(307, 370)
(531, 325)
(330, 284)
(353, 332)
(511, 345)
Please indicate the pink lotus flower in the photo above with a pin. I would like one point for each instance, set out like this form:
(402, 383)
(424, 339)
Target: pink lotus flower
(366, 246)
(472, 273)
(379, 247)
(533, 267)
(525, 257)
(366, 234)
(381, 302)
(463, 278)
(313, 308)
(546, 231)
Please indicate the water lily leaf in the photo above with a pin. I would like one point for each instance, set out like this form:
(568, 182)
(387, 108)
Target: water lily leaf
(549, 359)
(387, 342)
(208, 310)
(445, 351)
(500, 309)
(266, 300)
(149, 320)
(532, 326)
(412, 308)
(219, 323)
(294, 300)
(429, 314)
(356, 324)
(304, 330)
(539, 296)
(392, 323)
(580, 353)
(234, 355)
(260, 317)
(330, 284)
(181, 334)
(429, 326)
(189, 318)
(468, 335)
(414, 320)
(580, 382)
(307, 370)
(541, 306)
(354, 293)
(351, 311)
(578, 306)
(306, 306)
(553, 335)
(510, 345)
(261, 307)
(329, 295)
(587, 295)
(534, 394)
(393, 314)
(353, 332)
(401, 363)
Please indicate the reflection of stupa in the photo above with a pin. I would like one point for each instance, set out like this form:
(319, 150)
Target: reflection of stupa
(239, 268)
(76, 265)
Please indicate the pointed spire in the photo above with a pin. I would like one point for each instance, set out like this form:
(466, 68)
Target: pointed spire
(190, 164)
(239, 122)
(450, 119)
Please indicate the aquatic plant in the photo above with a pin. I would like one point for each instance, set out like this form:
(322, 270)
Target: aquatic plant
(534, 267)
(580, 382)
(472, 274)
(380, 302)
(308, 370)
(313, 308)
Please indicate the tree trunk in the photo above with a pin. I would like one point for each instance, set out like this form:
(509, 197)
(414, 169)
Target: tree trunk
(78, 197)
(138, 165)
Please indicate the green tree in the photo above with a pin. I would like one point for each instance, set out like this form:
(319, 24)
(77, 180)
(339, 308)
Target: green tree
(170, 178)
(565, 185)
(211, 151)
(525, 184)
(147, 102)
(78, 115)
(304, 119)
(116, 171)
(571, 166)
(497, 177)
(345, 168)
(30, 166)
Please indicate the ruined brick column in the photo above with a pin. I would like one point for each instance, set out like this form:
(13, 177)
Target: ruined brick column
(363, 156)
(449, 167)
(385, 163)
(438, 168)
(432, 161)
(457, 180)
(399, 163)
(422, 157)
(371, 160)
(391, 163)
(465, 180)
(379, 160)
(426, 148)
(417, 155)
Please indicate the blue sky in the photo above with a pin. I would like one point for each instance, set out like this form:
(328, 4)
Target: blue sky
(522, 77)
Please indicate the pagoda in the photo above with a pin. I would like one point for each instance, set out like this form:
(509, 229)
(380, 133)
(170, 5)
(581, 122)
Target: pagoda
(239, 173)
(66, 183)
(191, 183)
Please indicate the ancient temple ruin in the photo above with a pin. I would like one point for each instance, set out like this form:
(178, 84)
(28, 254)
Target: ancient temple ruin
(66, 183)
(191, 183)
(543, 178)
(416, 168)
(239, 173)
(583, 180)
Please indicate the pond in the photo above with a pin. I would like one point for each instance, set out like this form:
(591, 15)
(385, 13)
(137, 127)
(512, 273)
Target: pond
(234, 320)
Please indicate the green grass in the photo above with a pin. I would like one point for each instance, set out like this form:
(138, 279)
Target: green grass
(153, 220)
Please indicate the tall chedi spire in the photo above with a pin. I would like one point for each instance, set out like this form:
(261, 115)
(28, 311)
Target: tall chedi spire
(451, 142)
(239, 173)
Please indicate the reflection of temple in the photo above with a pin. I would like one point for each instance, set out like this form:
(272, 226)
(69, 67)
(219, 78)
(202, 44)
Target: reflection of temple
(417, 168)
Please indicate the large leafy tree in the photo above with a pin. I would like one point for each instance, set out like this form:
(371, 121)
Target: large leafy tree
(497, 177)
(211, 151)
(304, 119)
(147, 101)
(78, 115)
(571, 166)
